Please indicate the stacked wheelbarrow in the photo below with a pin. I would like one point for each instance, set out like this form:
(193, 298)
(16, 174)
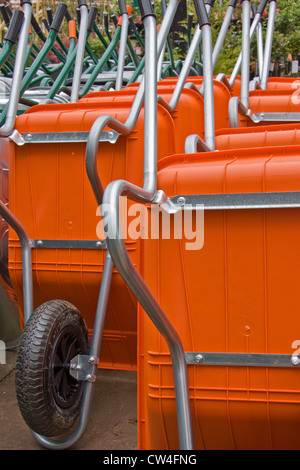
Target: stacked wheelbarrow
(228, 301)
(205, 309)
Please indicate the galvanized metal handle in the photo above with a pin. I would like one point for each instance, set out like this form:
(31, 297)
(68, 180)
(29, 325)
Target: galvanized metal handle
(9, 217)
(245, 71)
(8, 126)
(84, 19)
(255, 22)
(122, 45)
(268, 45)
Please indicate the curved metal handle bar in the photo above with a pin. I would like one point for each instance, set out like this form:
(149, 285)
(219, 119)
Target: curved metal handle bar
(255, 84)
(235, 107)
(237, 66)
(142, 293)
(194, 143)
(208, 84)
(268, 45)
(26, 259)
(8, 126)
(207, 80)
(221, 38)
(187, 64)
(92, 150)
(122, 51)
(245, 69)
(221, 77)
(260, 48)
(84, 21)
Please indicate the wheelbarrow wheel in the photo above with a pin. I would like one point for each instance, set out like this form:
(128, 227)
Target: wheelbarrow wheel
(49, 397)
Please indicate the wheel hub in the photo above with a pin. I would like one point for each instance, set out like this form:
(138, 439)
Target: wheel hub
(65, 387)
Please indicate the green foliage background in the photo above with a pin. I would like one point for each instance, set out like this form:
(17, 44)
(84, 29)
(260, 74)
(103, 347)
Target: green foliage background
(286, 34)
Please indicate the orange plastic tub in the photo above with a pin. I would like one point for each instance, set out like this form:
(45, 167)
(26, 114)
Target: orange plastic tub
(262, 136)
(271, 101)
(283, 83)
(52, 197)
(238, 294)
(222, 96)
(188, 115)
(188, 118)
(234, 91)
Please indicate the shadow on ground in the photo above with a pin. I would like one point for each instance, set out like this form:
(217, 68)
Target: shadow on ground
(113, 420)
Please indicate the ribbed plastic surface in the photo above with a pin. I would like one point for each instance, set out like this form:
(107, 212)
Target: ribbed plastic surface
(238, 294)
(51, 195)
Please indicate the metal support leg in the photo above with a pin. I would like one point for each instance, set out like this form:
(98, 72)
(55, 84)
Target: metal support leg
(88, 389)
(26, 259)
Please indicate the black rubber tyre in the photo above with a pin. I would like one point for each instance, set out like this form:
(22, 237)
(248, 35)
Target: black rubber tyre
(49, 397)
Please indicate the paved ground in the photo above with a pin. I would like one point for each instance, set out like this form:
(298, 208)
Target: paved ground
(113, 420)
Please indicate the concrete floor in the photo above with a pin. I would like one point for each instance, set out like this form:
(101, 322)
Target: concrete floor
(112, 424)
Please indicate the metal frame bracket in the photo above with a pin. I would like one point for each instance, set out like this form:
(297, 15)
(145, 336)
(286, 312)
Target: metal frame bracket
(82, 368)
(60, 137)
(69, 244)
(242, 359)
(235, 201)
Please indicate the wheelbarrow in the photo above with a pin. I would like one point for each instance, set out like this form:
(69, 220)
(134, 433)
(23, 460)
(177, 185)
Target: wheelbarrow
(10, 330)
(240, 351)
(33, 247)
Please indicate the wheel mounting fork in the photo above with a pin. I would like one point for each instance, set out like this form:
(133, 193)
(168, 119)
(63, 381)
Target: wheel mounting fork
(82, 367)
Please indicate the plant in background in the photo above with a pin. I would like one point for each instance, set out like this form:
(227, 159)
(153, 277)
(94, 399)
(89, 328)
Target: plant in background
(286, 34)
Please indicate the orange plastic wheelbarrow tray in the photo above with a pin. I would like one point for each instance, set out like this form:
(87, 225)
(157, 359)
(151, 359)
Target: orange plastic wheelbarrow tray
(267, 107)
(261, 136)
(282, 83)
(57, 153)
(234, 303)
(51, 196)
(59, 211)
